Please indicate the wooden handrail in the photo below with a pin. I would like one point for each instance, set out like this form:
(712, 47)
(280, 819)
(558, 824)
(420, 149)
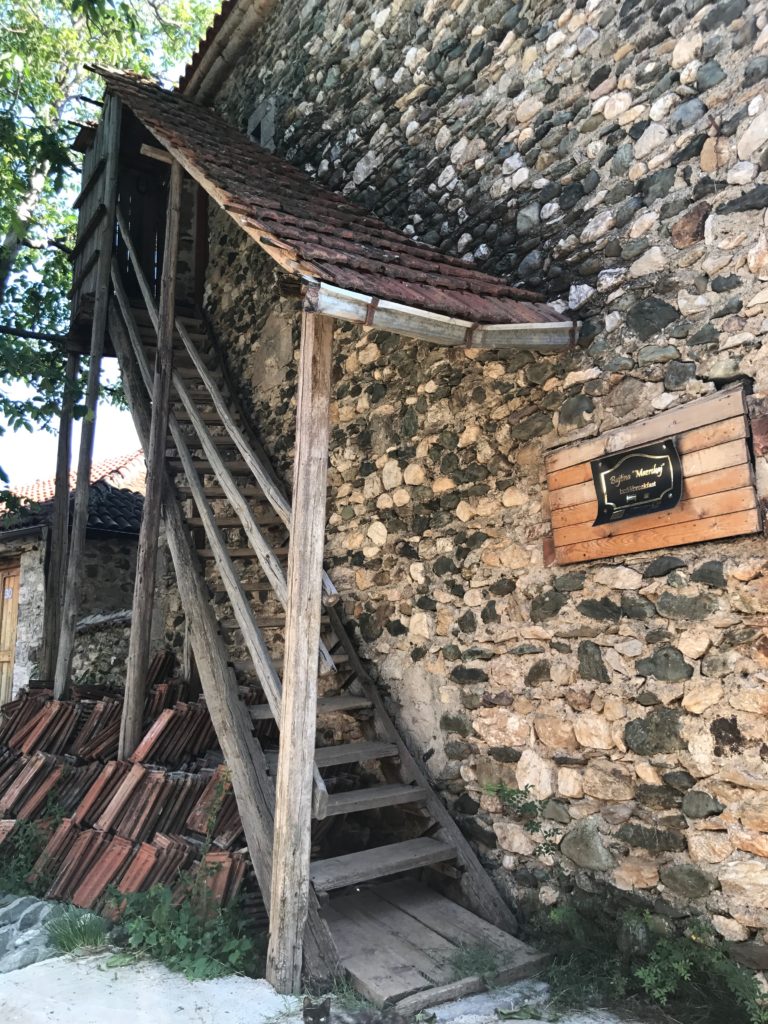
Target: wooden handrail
(257, 647)
(266, 556)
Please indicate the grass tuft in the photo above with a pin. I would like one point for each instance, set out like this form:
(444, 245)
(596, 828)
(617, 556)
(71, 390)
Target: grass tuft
(75, 929)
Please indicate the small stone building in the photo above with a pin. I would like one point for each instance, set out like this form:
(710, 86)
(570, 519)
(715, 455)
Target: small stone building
(615, 157)
(114, 519)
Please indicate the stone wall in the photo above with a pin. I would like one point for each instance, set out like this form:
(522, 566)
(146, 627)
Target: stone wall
(614, 155)
(109, 568)
(101, 649)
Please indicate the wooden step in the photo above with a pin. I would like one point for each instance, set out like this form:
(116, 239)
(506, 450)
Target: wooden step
(214, 491)
(354, 753)
(204, 466)
(401, 942)
(249, 588)
(346, 753)
(374, 796)
(263, 621)
(239, 552)
(353, 868)
(340, 659)
(195, 445)
(211, 418)
(325, 706)
(234, 521)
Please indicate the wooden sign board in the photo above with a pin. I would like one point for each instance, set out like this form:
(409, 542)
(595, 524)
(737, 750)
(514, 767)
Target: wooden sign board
(718, 495)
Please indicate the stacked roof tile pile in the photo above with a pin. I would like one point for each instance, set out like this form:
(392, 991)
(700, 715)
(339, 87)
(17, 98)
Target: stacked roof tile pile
(127, 830)
(131, 823)
(179, 734)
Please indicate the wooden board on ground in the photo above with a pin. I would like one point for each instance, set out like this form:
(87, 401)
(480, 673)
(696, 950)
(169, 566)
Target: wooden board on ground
(403, 944)
(718, 498)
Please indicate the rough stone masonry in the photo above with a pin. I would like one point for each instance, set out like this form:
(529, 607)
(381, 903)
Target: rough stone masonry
(615, 156)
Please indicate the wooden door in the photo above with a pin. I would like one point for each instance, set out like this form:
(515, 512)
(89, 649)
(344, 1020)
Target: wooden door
(9, 614)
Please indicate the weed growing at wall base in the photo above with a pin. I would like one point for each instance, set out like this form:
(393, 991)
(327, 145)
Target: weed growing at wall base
(598, 960)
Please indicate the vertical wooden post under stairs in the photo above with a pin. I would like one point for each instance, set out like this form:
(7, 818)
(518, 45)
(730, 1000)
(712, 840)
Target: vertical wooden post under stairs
(293, 806)
(111, 142)
(131, 722)
(58, 543)
(251, 783)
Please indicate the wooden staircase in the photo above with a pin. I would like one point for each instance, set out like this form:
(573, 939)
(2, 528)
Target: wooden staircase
(238, 520)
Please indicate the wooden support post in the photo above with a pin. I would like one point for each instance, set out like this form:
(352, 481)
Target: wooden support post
(111, 125)
(132, 719)
(289, 901)
(58, 542)
(251, 782)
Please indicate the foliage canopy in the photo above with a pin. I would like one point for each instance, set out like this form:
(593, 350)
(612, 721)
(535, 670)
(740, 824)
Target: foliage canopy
(45, 95)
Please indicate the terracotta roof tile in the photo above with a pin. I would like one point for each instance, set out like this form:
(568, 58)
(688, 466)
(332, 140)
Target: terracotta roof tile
(316, 233)
(115, 502)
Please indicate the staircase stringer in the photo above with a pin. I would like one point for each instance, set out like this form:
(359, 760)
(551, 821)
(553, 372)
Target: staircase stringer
(477, 888)
(251, 783)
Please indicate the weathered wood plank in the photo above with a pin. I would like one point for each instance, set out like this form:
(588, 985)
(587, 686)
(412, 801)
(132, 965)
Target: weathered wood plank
(90, 184)
(379, 973)
(353, 868)
(430, 953)
(685, 533)
(455, 923)
(691, 441)
(417, 946)
(720, 406)
(112, 120)
(357, 800)
(59, 541)
(687, 511)
(293, 797)
(325, 706)
(694, 487)
(132, 717)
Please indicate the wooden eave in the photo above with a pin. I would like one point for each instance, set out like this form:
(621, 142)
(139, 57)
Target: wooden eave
(335, 246)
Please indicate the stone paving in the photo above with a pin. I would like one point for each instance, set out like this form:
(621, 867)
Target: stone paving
(86, 990)
(23, 935)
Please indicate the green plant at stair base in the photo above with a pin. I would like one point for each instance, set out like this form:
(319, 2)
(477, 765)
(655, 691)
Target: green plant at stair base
(690, 976)
(21, 850)
(184, 927)
(193, 936)
(471, 961)
(74, 929)
(520, 805)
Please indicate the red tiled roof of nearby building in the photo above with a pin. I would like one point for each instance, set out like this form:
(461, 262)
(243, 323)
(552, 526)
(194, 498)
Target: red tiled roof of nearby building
(314, 233)
(115, 501)
(124, 471)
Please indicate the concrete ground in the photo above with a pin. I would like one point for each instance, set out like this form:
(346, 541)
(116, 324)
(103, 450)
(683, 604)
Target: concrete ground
(73, 990)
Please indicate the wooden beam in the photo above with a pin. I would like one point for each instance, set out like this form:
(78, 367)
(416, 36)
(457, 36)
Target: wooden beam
(111, 125)
(251, 782)
(156, 153)
(132, 718)
(293, 801)
(354, 307)
(59, 537)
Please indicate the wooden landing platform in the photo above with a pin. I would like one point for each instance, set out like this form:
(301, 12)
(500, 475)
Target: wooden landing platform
(403, 945)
